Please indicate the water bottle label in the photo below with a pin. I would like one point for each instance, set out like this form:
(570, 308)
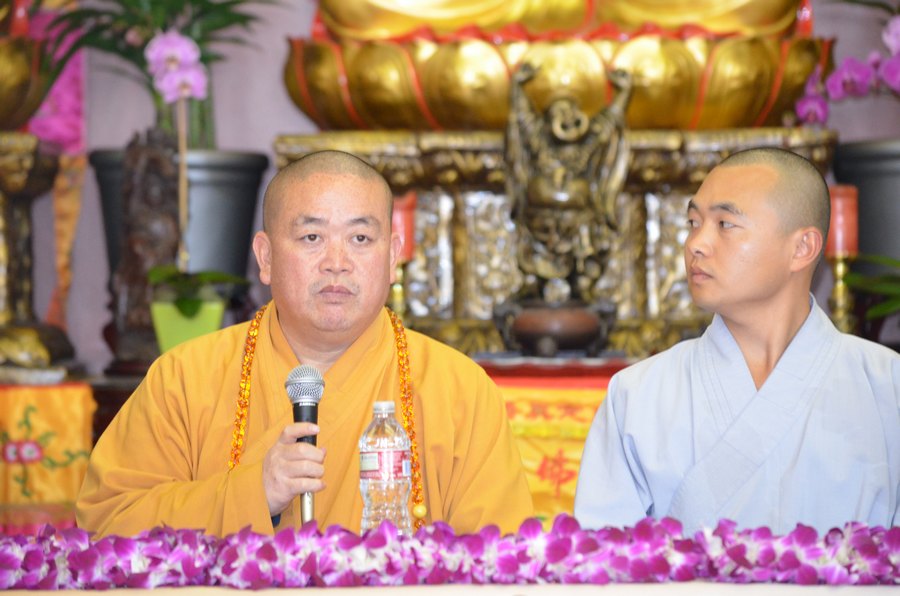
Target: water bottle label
(384, 465)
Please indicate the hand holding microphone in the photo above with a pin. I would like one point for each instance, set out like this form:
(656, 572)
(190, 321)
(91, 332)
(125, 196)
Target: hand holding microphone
(304, 387)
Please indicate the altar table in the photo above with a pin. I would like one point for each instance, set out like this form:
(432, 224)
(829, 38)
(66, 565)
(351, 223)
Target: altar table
(45, 437)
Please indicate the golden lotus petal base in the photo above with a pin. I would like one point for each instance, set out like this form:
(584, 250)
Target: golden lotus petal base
(692, 82)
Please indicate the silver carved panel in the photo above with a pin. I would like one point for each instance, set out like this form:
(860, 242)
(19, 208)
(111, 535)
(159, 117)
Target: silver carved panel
(491, 271)
(429, 275)
(623, 279)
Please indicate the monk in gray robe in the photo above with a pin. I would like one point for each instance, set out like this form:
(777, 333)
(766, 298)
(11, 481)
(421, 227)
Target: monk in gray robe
(772, 417)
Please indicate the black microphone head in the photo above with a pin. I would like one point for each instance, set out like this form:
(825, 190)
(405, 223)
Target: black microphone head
(305, 385)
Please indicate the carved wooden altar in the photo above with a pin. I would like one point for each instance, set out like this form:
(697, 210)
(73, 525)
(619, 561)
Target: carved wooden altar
(465, 263)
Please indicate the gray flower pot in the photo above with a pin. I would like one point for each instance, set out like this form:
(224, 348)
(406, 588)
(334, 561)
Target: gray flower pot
(224, 187)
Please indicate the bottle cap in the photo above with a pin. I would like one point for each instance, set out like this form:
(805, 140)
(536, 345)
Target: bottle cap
(384, 407)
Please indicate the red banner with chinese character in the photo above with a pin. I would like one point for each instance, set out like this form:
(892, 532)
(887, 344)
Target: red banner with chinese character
(550, 418)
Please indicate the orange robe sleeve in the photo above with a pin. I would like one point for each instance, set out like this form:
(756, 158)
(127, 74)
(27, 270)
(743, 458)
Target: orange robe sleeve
(164, 458)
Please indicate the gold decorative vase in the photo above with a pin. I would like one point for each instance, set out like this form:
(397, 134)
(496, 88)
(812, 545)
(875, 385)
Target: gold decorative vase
(23, 80)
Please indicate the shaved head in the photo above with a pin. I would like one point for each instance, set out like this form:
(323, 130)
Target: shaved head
(329, 162)
(800, 196)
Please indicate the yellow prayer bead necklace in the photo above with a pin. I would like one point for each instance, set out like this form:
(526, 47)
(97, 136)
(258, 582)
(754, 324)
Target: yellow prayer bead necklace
(243, 400)
(408, 416)
(419, 510)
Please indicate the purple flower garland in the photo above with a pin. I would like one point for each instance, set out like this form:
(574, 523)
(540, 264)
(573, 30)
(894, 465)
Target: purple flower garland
(651, 551)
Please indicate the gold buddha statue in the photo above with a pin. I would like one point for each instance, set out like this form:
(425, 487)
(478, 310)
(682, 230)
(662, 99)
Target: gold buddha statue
(390, 19)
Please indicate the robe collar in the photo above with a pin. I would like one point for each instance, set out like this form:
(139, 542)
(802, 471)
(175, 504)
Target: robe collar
(366, 354)
(816, 333)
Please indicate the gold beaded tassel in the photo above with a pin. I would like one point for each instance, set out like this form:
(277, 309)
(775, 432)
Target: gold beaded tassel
(243, 402)
(419, 510)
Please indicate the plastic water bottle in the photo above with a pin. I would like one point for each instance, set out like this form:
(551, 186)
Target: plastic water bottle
(384, 471)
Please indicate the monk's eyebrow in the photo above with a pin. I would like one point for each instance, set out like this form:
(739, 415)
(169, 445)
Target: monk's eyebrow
(365, 220)
(723, 206)
(728, 207)
(306, 220)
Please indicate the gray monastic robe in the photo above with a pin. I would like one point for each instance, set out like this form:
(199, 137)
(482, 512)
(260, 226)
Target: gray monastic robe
(686, 434)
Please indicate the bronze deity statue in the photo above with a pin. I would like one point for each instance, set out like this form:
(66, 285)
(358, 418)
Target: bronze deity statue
(565, 171)
(150, 239)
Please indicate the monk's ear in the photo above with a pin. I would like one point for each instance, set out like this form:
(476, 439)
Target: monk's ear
(808, 243)
(396, 247)
(262, 248)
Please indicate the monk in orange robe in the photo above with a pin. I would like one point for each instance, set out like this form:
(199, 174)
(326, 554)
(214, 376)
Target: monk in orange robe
(172, 455)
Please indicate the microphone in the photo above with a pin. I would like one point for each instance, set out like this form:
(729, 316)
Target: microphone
(304, 387)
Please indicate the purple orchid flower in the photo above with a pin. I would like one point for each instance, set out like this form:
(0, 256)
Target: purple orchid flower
(651, 551)
(189, 82)
(891, 35)
(814, 83)
(889, 72)
(170, 50)
(812, 108)
(852, 78)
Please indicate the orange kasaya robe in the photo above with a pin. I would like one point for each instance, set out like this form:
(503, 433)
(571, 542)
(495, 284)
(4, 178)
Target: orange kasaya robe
(164, 458)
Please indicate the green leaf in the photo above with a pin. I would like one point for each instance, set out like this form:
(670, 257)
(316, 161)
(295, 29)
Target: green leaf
(188, 306)
(886, 261)
(885, 284)
(189, 290)
(884, 309)
(162, 273)
(218, 277)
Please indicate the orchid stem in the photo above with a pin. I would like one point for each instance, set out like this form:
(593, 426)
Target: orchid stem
(181, 115)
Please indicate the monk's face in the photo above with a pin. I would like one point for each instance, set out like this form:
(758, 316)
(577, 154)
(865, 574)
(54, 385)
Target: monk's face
(738, 254)
(329, 256)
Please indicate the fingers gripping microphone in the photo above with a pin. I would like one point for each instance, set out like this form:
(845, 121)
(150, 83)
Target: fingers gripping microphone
(305, 386)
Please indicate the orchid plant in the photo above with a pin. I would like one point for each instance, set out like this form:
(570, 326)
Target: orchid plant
(173, 60)
(178, 76)
(878, 73)
(127, 28)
